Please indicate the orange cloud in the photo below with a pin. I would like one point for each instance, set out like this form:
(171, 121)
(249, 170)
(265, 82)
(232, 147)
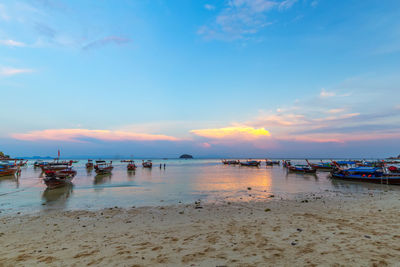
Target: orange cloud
(75, 135)
(247, 133)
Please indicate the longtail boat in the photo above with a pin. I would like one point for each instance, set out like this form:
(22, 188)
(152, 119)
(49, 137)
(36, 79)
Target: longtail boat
(366, 174)
(323, 166)
(251, 163)
(346, 162)
(131, 166)
(269, 162)
(393, 170)
(89, 164)
(7, 169)
(147, 164)
(56, 165)
(57, 178)
(103, 167)
(230, 162)
(301, 169)
(370, 164)
(39, 163)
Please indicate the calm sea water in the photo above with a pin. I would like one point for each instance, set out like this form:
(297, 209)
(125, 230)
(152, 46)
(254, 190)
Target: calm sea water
(182, 181)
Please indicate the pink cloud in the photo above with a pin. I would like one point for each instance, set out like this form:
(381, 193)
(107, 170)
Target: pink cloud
(7, 71)
(75, 135)
(235, 132)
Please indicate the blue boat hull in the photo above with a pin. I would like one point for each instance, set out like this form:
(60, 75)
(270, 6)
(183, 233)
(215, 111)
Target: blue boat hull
(393, 180)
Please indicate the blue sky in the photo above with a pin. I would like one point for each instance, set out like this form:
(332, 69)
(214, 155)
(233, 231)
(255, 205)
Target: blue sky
(212, 78)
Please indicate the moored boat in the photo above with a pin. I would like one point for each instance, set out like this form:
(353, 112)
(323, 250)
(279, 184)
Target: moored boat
(301, 168)
(102, 167)
(251, 163)
(366, 174)
(269, 162)
(7, 169)
(57, 178)
(56, 165)
(230, 162)
(39, 163)
(131, 166)
(147, 164)
(323, 166)
(89, 164)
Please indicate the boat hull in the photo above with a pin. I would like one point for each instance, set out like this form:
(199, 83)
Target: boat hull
(8, 172)
(104, 171)
(55, 182)
(291, 169)
(392, 180)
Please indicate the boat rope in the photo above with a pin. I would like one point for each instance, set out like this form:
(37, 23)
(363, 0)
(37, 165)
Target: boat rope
(22, 189)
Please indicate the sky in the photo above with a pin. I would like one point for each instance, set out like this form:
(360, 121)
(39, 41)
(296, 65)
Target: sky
(224, 78)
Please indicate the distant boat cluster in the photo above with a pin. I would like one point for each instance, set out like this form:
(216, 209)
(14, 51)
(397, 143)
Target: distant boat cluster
(383, 172)
(58, 173)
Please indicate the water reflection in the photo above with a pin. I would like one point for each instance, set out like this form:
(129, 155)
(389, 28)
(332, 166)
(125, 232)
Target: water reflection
(306, 176)
(102, 178)
(131, 173)
(9, 179)
(57, 196)
(89, 171)
(184, 181)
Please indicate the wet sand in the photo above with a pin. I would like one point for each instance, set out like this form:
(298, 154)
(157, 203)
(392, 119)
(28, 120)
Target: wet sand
(326, 229)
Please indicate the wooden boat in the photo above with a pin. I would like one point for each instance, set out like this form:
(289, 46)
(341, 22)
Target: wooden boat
(230, 162)
(370, 164)
(57, 178)
(131, 166)
(89, 164)
(323, 166)
(251, 163)
(7, 169)
(147, 164)
(366, 174)
(269, 162)
(346, 162)
(393, 170)
(103, 167)
(301, 169)
(126, 160)
(39, 163)
(56, 165)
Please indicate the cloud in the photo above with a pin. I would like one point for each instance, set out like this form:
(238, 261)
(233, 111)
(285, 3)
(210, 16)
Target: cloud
(241, 18)
(324, 93)
(314, 3)
(235, 132)
(119, 40)
(209, 7)
(7, 71)
(286, 4)
(336, 110)
(82, 135)
(3, 13)
(45, 30)
(10, 42)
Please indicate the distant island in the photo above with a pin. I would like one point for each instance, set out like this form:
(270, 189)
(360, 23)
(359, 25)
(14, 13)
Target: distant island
(186, 156)
(398, 157)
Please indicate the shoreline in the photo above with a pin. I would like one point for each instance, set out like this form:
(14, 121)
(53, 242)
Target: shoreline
(314, 229)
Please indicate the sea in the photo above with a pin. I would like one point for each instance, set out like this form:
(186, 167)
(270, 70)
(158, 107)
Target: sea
(180, 182)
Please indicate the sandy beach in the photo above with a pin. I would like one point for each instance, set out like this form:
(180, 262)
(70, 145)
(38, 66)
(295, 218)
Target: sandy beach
(327, 229)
